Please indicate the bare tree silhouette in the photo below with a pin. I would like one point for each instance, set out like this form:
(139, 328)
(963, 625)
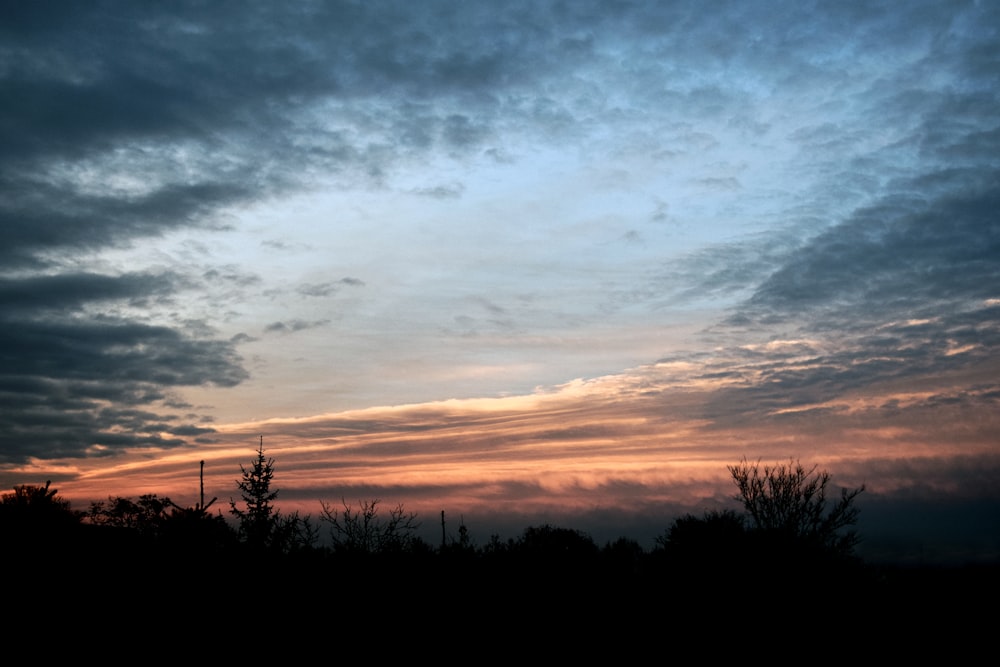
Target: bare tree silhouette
(789, 502)
(363, 530)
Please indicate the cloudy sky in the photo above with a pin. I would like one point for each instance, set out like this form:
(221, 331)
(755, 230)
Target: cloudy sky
(519, 261)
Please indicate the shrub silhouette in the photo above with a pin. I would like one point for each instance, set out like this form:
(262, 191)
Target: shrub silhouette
(35, 520)
(623, 556)
(716, 539)
(31, 503)
(552, 555)
(192, 532)
(547, 542)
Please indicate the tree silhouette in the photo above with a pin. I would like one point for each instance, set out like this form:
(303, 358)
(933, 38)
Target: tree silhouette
(144, 516)
(362, 530)
(258, 520)
(787, 504)
(261, 525)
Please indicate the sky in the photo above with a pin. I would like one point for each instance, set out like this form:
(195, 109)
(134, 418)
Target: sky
(517, 262)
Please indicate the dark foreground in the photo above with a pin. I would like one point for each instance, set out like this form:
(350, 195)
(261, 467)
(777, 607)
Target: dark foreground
(454, 606)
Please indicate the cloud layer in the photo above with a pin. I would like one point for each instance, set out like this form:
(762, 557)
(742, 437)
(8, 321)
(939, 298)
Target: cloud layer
(734, 229)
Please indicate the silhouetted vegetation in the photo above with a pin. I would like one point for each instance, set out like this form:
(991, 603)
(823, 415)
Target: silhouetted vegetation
(31, 507)
(715, 540)
(261, 526)
(35, 522)
(145, 516)
(365, 531)
(790, 549)
(787, 506)
(788, 528)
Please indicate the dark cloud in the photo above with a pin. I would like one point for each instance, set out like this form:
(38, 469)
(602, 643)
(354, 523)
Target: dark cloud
(69, 365)
(328, 288)
(71, 291)
(722, 184)
(354, 282)
(43, 221)
(902, 295)
(316, 289)
(194, 96)
(190, 430)
(294, 325)
(907, 257)
(718, 271)
(901, 291)
(452, 191)
(61, 382)
(173, 88)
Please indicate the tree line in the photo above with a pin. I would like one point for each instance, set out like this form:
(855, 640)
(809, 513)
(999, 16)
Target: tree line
(789, 519)
(784, 561)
